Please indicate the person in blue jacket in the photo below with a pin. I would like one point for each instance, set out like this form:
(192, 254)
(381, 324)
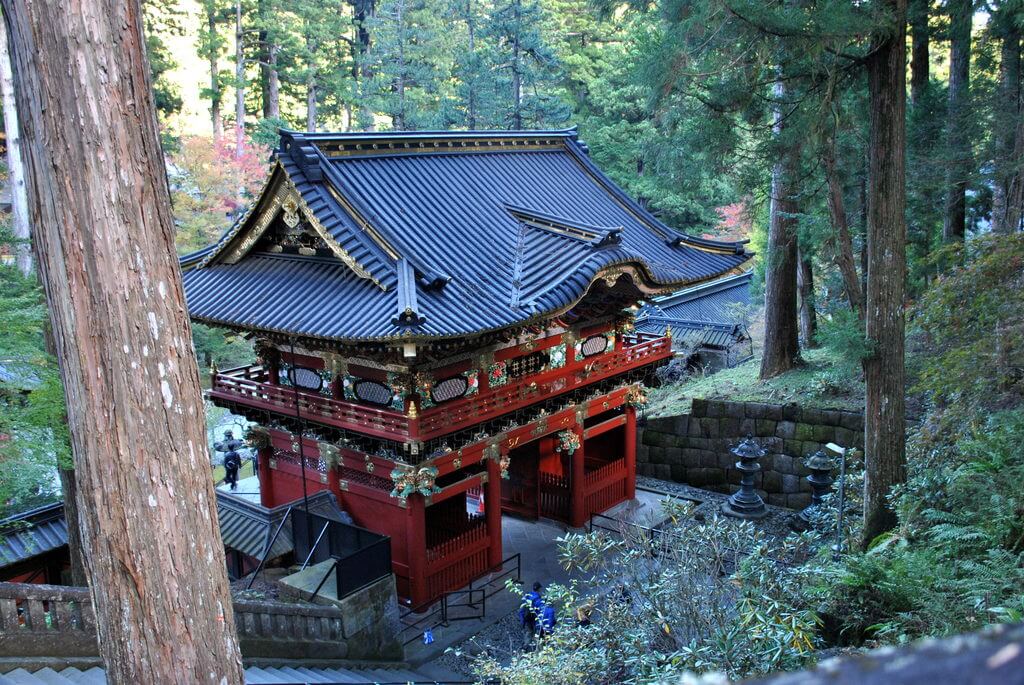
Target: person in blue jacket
(530, 609)
(547, 620)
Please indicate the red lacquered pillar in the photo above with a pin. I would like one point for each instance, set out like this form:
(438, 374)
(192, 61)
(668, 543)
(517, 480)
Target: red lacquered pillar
(264, 455)
(629, 449)
(416, 549)
(492, 512)
(578, 514)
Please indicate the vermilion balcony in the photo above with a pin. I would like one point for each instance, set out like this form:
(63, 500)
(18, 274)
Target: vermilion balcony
(249, 386)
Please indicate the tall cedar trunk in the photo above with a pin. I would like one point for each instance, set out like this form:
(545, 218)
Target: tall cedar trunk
(364, 11)
(958, 169)
(311, 108)
(517, 77)
(805, 285)
(884, 430)
(471, 105)
(918, 11)
(1008, 193)
(842, 243)
(311, 92)
(781, 339)
(69, 490)
(400, 123)
(15, 165)
(864, 230)
(239, 81)
(216, 92)
(105, 243)
(272, 104)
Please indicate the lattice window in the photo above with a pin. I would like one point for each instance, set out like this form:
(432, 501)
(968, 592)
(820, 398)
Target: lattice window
(372, 392)
(306, 378)
(527, 365)
(595, 344)
(312, 463)
(449, 389)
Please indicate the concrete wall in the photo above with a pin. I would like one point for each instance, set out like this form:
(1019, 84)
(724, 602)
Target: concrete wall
(694, 448)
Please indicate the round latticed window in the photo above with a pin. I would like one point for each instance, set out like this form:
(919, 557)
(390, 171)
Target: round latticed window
(306, 378)
(595, 344)
(449, 389)
(372, 392)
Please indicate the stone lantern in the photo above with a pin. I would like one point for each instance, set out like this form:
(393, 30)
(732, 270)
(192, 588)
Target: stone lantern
(821, 481)
(746, 503)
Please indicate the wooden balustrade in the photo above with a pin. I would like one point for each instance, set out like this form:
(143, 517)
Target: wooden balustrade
(248, 386)
(606, 497)
(467, 538)
(594, 477)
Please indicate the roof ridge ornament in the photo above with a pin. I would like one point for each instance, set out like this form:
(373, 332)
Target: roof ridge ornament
(408, 306)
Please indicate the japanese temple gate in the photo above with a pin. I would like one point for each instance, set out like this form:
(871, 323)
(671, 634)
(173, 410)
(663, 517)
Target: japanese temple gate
(432, 393)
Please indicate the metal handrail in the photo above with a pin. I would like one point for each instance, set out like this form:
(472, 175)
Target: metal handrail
(266, 552)
(315, 545)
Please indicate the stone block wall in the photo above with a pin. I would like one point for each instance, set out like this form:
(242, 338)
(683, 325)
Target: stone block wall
(695, 448)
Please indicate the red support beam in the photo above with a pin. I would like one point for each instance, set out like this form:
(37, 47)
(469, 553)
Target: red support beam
(492, 511)
(629, 450)
(416, 549)
(263, 457)
(578, 513)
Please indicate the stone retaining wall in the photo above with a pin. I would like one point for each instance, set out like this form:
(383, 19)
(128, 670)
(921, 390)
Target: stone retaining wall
(58, 621)
(694, 448)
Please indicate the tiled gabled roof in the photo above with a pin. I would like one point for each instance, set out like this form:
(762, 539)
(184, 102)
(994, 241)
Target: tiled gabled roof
(700, 316)
(440, 235)
(32, 533)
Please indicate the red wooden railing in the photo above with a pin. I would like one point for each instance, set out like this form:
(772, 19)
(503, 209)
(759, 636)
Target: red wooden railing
(555, 496)
(617, 467)
(249, 386)
(461, 541)
(606, 497)
(469, 411)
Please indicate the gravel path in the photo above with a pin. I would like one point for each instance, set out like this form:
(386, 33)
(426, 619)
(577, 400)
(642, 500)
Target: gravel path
(778, 522)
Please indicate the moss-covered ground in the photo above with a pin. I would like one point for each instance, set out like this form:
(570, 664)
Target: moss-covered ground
(823, 381)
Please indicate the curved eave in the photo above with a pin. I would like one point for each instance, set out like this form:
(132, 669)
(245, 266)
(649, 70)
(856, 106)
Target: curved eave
(650, 285)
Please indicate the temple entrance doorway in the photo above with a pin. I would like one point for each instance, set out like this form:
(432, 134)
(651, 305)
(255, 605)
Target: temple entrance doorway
(538, 485)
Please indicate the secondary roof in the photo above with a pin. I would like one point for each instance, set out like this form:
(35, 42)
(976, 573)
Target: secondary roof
(437, 235)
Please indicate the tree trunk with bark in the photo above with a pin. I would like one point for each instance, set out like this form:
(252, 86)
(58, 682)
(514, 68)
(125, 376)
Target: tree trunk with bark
(781, 339)
(363, 15)
(272, 103)
(919, 65)
(100, 203)
(69, 490)
(805, 285)
(1008, 190)
(884, 429)
(216, 92)
(239, 81)
(954, 223)
(15, 165)
(842, 242)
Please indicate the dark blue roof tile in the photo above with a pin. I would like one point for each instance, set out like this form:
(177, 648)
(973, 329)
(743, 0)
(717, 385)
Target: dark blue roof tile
(449, 227)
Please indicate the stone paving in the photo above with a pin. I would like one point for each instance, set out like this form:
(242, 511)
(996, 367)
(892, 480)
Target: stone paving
(537, 544)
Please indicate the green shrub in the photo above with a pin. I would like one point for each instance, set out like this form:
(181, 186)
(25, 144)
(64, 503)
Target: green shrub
(957, 560)
(713, 595)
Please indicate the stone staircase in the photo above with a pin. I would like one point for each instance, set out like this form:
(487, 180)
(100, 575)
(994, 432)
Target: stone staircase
(282, 674)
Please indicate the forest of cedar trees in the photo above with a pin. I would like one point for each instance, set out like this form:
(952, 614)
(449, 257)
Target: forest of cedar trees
(871, 152)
